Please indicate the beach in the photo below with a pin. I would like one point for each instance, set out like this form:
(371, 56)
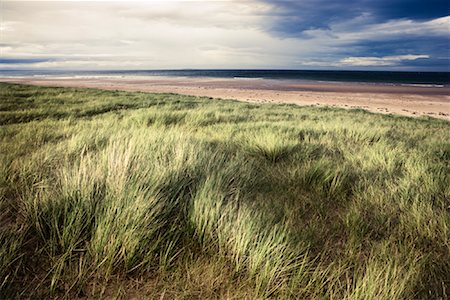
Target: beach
(406, 100)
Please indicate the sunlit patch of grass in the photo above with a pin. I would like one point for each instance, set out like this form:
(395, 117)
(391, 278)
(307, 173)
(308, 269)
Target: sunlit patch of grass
(269, 145)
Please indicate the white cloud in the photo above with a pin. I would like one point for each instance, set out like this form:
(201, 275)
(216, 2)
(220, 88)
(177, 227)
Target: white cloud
(147, 35)
(364, 28)
(379, 61)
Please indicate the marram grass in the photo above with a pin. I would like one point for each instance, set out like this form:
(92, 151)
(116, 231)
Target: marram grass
(110, 194)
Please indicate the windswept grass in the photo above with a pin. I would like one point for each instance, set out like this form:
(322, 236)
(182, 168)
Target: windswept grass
(109, 194)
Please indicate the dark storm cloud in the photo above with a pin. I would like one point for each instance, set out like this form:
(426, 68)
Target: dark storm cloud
(367, 28)
(293, 17)
(410, 9)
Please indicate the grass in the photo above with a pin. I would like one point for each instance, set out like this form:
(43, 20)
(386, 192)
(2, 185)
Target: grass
(108, 194)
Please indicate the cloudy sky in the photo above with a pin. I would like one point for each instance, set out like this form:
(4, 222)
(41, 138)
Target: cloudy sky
(256, 34)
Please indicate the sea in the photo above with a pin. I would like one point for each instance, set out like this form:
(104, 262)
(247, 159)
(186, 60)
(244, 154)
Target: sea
(432, 79)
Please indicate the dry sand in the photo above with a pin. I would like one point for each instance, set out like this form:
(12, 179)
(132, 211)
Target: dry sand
(387, 99)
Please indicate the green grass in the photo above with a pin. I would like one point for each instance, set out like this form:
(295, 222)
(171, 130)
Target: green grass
(115, 195)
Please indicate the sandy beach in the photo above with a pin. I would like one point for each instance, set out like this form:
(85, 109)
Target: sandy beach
(407, 100)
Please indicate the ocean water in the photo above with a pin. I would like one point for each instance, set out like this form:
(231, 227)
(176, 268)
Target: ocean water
(376, 77)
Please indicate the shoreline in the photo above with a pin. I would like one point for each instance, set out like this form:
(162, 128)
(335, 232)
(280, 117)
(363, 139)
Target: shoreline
(386, 99)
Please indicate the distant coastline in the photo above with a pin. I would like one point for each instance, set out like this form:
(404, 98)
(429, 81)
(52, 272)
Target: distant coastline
(424, 79)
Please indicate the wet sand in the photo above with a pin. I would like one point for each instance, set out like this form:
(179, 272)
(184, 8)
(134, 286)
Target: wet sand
(387, 99)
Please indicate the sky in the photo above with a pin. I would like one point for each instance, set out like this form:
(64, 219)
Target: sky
(401, 35)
